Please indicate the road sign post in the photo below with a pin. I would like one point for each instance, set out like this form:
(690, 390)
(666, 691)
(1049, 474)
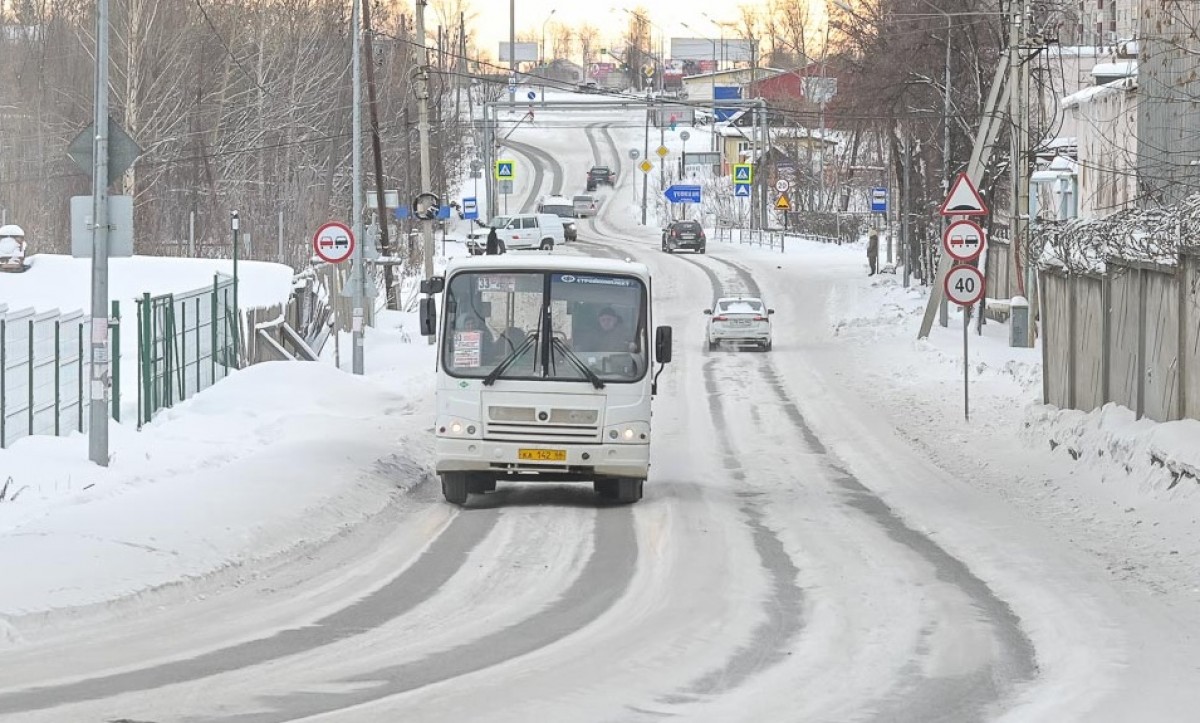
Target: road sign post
(964, 285)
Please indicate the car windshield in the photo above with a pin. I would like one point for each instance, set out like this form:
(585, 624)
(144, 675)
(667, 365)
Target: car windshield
(596, 319)
(689, 226)
(583, 199)
(740, 306)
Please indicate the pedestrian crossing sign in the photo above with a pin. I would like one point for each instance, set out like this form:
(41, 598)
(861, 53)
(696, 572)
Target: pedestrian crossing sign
(741, 190)
(505, 170)
(743, 173)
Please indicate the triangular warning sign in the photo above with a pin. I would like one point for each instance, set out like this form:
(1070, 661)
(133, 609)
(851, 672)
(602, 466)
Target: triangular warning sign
(963, 199)
(783, 204)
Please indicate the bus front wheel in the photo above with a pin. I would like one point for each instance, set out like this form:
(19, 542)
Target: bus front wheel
(454, 487)
(625, 490)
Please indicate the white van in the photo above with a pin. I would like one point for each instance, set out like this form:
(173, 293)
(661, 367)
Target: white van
(561, 206)
(523, 231)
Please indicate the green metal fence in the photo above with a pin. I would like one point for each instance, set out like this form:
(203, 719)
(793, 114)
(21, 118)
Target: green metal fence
(43, 370)
(186, 343)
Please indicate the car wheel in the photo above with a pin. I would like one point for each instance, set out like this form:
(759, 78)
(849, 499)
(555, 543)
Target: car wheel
(454, 487)
(629, 490)
(766, 346)
(712, 345)
(547, 245)
(700, 250)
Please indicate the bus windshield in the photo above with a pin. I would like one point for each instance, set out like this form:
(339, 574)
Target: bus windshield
(544, 325)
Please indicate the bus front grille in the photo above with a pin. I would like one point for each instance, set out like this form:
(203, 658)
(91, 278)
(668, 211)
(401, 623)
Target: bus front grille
(522, 424)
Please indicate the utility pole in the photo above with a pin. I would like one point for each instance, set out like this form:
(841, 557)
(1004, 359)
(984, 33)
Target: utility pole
(385, 246)
(512, 50)
(905, 205)
(101, 379)
(944, 306)
(358, 279)
(646, 156)
(423, 133)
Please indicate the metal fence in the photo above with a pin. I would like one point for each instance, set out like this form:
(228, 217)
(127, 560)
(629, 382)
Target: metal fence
(186, 343)
(1129, 336)
(43, 370)
(763, 238)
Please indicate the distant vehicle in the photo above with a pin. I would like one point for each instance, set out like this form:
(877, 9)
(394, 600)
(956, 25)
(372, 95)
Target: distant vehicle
(684, 235)
(600, 175)
(589, 87)
(564, 208)
(520, 231)
(740, 321)
(12, 249)
(585, 206)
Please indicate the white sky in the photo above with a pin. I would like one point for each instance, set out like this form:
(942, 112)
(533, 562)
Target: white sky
(492, 22)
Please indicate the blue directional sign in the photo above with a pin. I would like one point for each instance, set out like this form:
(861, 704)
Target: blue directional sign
(470, 208)
(683, 194)
(402, 212)
(879, 200)
(741, 190)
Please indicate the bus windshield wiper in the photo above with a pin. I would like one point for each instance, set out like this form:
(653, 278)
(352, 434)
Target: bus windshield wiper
(580, 364)
(505, 363)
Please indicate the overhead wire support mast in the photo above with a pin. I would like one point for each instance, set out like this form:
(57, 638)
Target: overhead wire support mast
(423, 136)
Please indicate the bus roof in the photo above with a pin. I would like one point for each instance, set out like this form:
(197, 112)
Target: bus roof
(543, 262)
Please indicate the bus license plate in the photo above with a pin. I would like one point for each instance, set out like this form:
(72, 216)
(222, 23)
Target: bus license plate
(542, 455)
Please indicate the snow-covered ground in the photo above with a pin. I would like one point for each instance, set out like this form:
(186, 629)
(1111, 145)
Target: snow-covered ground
(823, 519)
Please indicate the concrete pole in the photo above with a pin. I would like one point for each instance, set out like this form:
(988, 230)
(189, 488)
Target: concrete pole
(101, 380)
(359, 271)
(512, 52)
(944, 305)
(423, 136)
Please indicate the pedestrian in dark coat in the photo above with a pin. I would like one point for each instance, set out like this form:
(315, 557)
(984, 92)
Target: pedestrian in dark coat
(873, 252)
(493, 243)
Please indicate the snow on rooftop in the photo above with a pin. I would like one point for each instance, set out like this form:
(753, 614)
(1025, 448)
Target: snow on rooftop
(1119, 69)
(1096, 91)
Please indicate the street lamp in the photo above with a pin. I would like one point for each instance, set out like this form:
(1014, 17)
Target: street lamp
(543, 50)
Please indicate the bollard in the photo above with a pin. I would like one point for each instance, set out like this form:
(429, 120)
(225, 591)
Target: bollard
(1018, 322)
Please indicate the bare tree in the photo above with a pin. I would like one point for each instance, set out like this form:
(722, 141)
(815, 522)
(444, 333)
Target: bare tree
(588, 35)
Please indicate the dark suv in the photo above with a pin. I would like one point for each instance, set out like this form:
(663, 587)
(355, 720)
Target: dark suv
(600, 175)
(683, 235)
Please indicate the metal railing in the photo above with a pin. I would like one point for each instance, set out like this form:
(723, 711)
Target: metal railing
(186, 343)
(43, 370)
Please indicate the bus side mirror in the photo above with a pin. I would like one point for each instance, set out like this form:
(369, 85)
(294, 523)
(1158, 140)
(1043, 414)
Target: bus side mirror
(433, 285)
(428, 317)
(662, 344)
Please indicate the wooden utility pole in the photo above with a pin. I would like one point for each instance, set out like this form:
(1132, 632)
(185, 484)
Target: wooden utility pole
(380, 203)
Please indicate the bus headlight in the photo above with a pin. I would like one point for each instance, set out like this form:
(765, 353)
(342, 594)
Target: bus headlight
(628, 433)
(457, 428)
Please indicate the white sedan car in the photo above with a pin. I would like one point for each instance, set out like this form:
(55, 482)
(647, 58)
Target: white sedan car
(739, 321)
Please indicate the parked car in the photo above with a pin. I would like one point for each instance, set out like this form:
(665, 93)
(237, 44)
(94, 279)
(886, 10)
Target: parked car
(600, 175)
(585, 206)
(564, 208)
(739, 321)
(684, 235)
(521, 231)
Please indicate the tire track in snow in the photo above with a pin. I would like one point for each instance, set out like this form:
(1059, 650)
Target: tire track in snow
(540, 160)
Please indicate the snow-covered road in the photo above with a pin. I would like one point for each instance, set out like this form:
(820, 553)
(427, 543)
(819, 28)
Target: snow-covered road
(795, 559)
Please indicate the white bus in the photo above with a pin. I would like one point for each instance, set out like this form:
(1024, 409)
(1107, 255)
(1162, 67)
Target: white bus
(544, 372)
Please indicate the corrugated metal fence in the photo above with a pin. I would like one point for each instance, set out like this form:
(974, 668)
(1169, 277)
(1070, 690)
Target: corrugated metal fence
(1130, 335)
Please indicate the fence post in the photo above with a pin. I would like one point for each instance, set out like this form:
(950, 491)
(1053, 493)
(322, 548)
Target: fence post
(79, 381)
(199, 384)
(1046, 329)
(115, 326)
(1106, 337)
(168, 338)
(183, 353)
(29, 413)
(145, 344)
(1141, 343)
(1072, 357)
(57, 375)
(3, 390)
(1181, 285)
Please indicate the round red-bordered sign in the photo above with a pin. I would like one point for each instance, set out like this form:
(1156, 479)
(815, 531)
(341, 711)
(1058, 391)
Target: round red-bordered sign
(964, 240)
(333, 242)
(963, 285)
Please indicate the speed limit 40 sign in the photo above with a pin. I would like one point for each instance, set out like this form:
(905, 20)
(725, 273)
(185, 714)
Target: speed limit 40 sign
(964, 285)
